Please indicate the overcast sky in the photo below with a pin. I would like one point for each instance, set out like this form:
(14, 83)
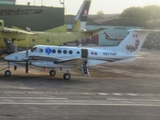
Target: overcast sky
(107, 6)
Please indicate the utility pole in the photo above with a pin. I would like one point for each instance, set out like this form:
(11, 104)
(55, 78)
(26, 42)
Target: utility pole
(42, 2)
(63, 3)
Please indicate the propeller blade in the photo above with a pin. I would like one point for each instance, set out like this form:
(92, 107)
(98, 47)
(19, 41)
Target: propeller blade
(27, 66)
(26, 50)
(27, 59)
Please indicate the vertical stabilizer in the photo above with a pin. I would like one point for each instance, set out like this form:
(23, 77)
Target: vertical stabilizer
(11, 48)
(133, 42)
(82, 15)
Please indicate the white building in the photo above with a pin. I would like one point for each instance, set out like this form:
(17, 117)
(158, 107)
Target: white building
(12, 2)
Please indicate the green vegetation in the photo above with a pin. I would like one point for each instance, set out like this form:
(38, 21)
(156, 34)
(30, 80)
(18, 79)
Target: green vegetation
(149, 14)
(100, 13)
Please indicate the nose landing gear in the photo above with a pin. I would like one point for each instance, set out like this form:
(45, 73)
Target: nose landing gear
(8, 72)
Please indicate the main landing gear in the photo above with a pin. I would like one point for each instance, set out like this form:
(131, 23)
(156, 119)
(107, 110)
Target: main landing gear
(66, 76)
(7, 73)
(52, 73)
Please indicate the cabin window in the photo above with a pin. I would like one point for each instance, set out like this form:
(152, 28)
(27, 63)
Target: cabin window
(34, 49)
(78, 52)
(47, 40)
(33, 40)
(65, 51)
(70, 52)
(53, 51)
(59, 51)
(40, 50)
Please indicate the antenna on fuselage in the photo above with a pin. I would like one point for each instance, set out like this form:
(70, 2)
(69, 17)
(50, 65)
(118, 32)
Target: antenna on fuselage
(79, 45)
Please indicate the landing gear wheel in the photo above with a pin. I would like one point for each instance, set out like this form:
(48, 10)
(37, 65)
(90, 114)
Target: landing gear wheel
(66, 76)
(52, 73)
(7, 73)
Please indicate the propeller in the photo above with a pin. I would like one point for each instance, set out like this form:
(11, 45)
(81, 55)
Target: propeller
(27, 59)
(91, 35)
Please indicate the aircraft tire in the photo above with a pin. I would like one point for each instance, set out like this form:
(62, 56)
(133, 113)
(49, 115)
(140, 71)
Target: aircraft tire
(7, 73)
(67, 76)
(52, 73)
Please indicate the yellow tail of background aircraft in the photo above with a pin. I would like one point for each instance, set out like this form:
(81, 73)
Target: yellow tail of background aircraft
(55, 36)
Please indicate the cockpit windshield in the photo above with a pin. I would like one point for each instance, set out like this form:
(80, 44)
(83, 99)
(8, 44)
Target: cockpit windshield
(34, 49)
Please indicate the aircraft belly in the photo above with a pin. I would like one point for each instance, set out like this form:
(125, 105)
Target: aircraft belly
(95, 62)
(48, 64)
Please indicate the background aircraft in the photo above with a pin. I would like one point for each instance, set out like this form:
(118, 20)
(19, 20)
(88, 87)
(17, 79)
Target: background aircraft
(56, 36)
(66, 58)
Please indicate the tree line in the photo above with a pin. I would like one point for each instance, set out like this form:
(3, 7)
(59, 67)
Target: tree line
(149, 14)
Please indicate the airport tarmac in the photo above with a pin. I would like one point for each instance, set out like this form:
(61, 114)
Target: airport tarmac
(129, 91)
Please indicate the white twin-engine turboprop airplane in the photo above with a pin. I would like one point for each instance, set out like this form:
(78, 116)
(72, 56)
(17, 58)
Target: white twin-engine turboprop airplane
(65, 58)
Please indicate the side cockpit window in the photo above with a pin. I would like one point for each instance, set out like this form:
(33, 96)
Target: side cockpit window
(34, 49)
(40, 50)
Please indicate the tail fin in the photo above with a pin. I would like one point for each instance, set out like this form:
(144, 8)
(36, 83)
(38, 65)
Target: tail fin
(11, 48)
(82, 15)
(133, 42)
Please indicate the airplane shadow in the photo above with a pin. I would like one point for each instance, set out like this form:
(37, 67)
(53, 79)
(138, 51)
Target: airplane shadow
(42, 81)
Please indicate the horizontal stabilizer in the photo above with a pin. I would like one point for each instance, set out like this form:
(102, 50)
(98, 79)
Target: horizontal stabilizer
(143, 30)
(95, 30)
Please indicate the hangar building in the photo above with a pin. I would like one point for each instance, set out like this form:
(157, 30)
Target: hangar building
(38, 18)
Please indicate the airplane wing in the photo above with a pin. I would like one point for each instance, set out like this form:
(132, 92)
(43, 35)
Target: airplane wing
(14, 27)
(10, 30)
(75, 62)
(95, 30)
(43, 57)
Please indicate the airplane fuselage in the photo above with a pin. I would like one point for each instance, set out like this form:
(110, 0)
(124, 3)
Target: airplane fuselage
(61, 55)
(64, 57)
(47, 38)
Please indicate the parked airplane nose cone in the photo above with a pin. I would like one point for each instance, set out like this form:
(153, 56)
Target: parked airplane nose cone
(8, 58)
